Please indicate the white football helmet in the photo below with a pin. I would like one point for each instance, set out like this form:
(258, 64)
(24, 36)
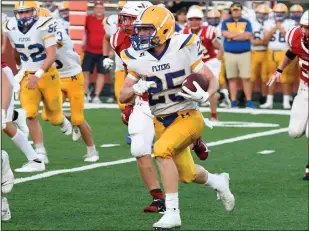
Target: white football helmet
(304, 25)
(129, 13)
(195, 18)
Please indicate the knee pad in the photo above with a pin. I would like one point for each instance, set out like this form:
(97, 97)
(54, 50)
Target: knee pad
(162, 150)
(55, 118)
(31, 113)
(77, 119)
(139, 146)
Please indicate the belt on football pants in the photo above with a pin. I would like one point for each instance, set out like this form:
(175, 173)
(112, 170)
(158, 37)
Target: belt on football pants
(168, 120)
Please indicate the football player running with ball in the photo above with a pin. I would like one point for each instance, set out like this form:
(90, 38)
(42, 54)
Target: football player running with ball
(298, 40)
(158, 62)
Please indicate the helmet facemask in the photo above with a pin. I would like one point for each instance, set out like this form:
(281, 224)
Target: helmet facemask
(279, 16)
(125, 22)
(305, 34)
(145, 37)
(26, 21)
(195, 23)
(296, 15)
(213, 21)
(261, 17)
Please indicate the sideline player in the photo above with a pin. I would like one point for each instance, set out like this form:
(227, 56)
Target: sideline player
(298, 40)
(34, 40)
(72, 82)
(158, 62)
(274, 35)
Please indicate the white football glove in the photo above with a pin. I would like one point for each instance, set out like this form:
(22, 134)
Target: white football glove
(108, 63)
(200, 95)
(142, 86)
(275, 77)
(3, 119)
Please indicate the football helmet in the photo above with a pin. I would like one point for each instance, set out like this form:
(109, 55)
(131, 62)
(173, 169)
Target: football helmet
(195, 18)
(26, 6)
(304, 25)
(153, 27)
(280, 11)
(129, 13)
(44, 12)
(64, 10)
(213, 17)
(262, 12)
(121, 4)
(296, 12)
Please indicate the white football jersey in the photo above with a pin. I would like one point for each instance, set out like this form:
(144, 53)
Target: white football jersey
(110, 27)
(182, 57)
(67, 60)
(258, 33)
(31, 45)
(277, 42)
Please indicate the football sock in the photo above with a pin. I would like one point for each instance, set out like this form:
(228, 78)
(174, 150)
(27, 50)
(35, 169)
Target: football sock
(214, 181)
(171, 201)
(214, 115)
(40, 148)
(91, 149)
(157, 194)
(22, 143)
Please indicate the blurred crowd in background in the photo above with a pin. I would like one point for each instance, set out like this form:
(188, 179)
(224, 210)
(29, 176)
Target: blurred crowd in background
(250, 79)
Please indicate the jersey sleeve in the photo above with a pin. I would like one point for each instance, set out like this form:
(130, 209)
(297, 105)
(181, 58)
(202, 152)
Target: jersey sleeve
(213, 33)
(289, 36)
(48, 29)
(194, 49)
(126, 57)
(6, 31)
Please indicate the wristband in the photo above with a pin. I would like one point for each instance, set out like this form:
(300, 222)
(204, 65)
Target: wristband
(105, 56)
(39, 73)
(278, 70)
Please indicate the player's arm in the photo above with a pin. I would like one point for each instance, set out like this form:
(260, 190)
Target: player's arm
(4, 42)
(268, 34)
(219, 47)
(127, 93)
(106, 46)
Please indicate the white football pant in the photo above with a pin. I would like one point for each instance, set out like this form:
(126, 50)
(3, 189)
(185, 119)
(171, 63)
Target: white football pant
(299, 113)
(10, 75)
(141, 129)
(215, 66)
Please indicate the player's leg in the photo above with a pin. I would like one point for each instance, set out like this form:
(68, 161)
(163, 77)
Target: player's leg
(244, 67)
(175, 133)
(272, 67)
(30, 100)
(141, 131)
(287, 80)
(50, 87)
(232, 75)
(20, 120)
(264, 74)
(7, 183)
(119, 79)
(88, 67)
(99, 85)
(74, 89)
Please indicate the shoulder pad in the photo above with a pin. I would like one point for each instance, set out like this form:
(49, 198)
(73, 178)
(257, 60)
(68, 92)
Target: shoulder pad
(186, 40)
(44, 22)
(127, 54)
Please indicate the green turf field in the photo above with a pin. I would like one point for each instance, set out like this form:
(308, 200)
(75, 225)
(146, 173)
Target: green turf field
(269, 190)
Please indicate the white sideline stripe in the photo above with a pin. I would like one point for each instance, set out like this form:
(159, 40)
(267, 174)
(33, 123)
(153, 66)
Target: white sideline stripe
(123, 161)
(202, 109)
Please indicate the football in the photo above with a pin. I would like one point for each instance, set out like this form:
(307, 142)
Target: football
(204, 83)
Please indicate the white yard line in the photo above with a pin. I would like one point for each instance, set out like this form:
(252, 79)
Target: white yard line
(128, 160)
(202, 109)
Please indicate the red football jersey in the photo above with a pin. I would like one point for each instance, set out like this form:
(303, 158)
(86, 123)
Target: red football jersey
(3, 64)
(207, 35)
(294, 39)
(121, 41)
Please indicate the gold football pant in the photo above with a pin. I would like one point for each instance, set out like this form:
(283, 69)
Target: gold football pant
(73, 89)
(174, 133)
(49, 91)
